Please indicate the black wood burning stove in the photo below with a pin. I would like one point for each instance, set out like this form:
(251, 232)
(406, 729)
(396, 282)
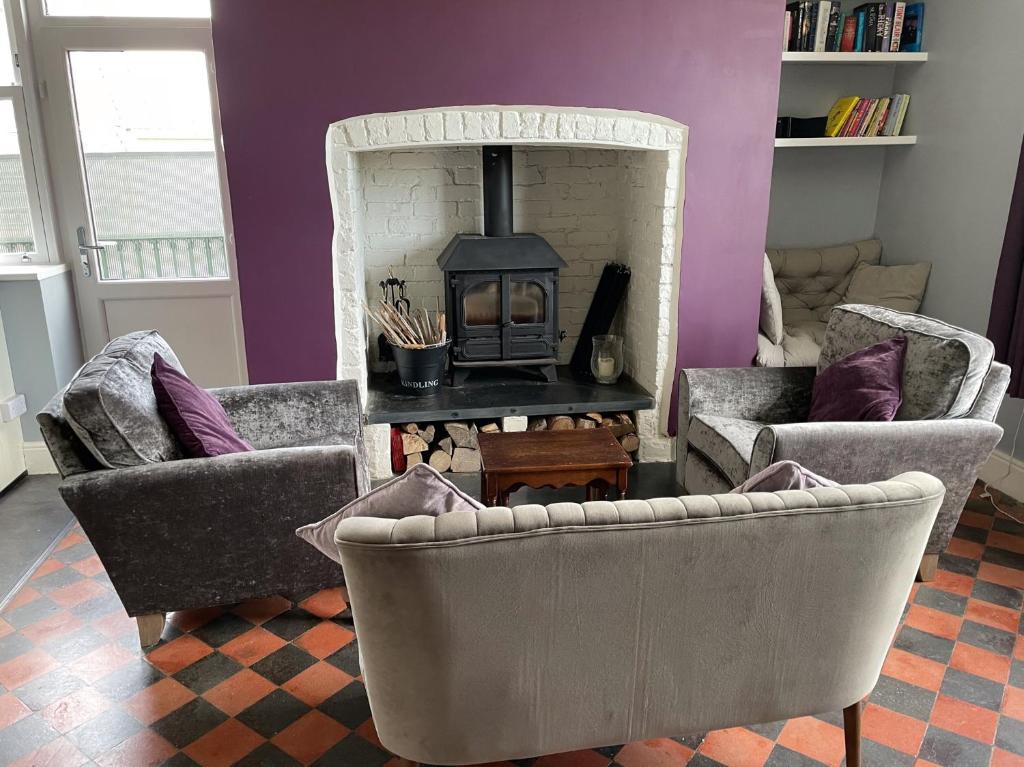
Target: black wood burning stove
(501, 289)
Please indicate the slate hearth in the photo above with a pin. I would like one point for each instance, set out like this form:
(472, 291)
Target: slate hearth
(498, 394)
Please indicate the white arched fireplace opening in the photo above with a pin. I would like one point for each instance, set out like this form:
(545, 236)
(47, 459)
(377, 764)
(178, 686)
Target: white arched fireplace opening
(600, 185)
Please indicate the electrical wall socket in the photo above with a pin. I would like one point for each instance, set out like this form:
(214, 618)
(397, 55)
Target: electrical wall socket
(12, 408)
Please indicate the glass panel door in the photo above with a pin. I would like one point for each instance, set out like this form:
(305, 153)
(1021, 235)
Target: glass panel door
(16, 226)
(151, 173)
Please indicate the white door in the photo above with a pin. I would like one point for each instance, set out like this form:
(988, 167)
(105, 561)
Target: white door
(133, 130)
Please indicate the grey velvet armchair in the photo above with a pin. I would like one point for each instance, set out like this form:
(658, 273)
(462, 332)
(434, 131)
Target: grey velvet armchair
(734, 422)
(198, 532)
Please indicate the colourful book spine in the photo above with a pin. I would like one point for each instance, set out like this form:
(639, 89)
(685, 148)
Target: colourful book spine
(913, 28)
(887, 29)
(785, 31)
(839, 114)
(869, 113)
(877, 118)
(853, 123)
(824, 11)
(862, 19)
(869, 27)
(834, 26)
(849, 41)
(897, 26)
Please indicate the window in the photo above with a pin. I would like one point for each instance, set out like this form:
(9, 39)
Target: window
(166, 9)
(21, 224)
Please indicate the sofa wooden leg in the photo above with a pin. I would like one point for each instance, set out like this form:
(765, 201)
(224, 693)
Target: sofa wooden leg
(150, 628)
(851, 729)
(929, 563)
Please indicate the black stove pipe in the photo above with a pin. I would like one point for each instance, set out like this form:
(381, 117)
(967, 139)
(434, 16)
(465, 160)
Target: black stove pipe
(497, 172)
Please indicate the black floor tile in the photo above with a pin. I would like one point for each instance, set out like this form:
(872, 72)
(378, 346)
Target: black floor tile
(69, 647)
(924, 644)
(354, 751)
(987, 638)
(129, 679)
(222, 629)
(951, 750)
(997, 595)
(347, 659)
(273, 713)
(49, 688)
(25, 736)
(1010, 735)
(207, 673)
(348, 705)
(96, 737)
(972, 689)
(953, 604)
(783, 757)
(188, 723)
(267, 755)
(899, 696)
(291, 623)
(958, 565)
(281, 665)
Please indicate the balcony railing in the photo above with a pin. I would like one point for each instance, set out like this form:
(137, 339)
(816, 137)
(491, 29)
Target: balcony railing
(155, 258)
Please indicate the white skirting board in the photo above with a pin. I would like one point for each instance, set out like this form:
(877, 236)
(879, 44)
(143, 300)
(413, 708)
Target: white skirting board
(37, 458)
(1003, 475)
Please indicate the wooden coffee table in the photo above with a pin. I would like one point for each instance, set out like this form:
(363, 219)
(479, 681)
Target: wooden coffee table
(590, 458)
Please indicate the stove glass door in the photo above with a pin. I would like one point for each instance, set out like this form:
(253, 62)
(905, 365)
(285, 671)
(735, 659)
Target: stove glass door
(481, 304)
(528, 302)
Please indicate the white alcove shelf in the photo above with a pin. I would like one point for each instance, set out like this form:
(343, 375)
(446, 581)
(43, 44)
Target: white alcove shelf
(859, 141)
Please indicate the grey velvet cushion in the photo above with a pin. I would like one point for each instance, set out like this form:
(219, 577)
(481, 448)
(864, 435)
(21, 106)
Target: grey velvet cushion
(945, 366)
(727, 443)
(898, 287)
(422, 490)
(771, 304)
(111, 407)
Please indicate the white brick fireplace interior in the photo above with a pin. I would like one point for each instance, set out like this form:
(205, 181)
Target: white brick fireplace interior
(599, 185)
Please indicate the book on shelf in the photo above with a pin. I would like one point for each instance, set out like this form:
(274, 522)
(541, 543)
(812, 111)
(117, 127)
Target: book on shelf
(819, 26)
(856, 117)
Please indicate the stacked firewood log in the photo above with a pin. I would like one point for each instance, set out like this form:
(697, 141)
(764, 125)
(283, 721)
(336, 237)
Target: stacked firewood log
(620, 424)
(452, 445)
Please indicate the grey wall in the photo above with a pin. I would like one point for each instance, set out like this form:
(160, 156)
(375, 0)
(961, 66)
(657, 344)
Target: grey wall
(826, 196)
(946, 199)
(42, 340)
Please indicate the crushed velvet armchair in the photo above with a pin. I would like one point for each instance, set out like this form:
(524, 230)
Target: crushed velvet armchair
(734, 422)
(198, 532)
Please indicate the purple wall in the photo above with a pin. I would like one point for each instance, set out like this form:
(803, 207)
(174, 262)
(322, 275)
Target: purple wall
(286, 70)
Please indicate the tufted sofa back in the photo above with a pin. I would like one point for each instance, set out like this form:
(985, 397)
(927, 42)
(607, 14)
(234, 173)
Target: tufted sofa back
(813, 280)
(508, 633)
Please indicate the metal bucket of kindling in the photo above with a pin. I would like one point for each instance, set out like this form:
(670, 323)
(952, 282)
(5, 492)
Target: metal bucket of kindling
(421, 371)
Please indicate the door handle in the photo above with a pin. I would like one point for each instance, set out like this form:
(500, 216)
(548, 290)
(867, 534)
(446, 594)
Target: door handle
(84, 249)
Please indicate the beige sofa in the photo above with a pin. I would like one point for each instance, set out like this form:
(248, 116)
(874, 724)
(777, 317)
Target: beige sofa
(508, 633)
(801, 285)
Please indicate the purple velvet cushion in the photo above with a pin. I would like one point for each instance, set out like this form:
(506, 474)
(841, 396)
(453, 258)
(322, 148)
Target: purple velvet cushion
(783, 475)
(420, 491)
(863, 386)
(194, 415)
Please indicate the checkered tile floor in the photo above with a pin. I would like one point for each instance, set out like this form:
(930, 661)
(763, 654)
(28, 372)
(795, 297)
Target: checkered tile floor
(273, 682)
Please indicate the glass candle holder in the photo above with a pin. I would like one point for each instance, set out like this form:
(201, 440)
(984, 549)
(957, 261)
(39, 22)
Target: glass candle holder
(606, 360)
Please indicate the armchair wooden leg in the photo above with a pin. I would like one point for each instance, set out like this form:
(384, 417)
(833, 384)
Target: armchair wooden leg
(150, 628)
(851, 729)
(929, 563)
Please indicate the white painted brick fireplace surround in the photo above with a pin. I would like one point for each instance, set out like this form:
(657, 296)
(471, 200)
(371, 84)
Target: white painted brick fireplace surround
(599, 185)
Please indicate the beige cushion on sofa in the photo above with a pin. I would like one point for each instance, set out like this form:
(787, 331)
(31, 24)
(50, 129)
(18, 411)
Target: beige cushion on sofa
(771, 304)
(813, 280)
(894, 287)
